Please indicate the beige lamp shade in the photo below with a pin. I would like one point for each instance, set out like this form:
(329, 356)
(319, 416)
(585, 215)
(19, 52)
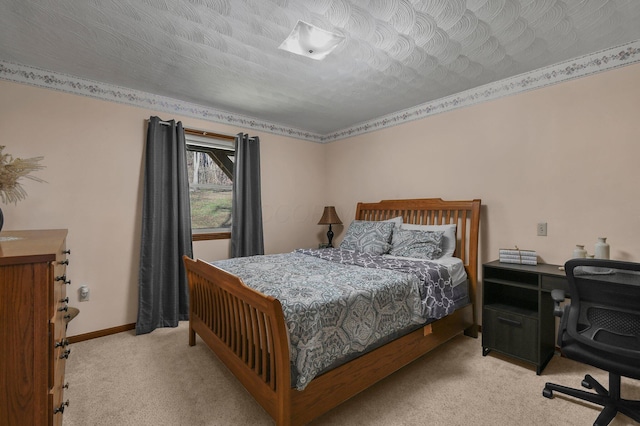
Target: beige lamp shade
(329, 216)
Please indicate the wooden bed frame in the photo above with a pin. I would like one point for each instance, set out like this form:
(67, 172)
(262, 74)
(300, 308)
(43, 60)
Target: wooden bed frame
(246, 329)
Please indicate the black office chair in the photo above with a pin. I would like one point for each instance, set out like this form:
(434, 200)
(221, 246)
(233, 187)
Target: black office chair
(601, 327)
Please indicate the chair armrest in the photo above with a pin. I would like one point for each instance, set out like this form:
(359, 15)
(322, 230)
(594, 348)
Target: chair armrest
(558, 297)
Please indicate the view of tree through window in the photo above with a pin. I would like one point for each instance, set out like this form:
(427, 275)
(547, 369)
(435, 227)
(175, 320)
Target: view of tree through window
(210, 168)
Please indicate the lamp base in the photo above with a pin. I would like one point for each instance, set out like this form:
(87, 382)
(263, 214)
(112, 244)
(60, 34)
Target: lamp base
(330, 237)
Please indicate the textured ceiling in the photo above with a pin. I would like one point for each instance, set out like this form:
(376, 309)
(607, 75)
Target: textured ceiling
(224, 54)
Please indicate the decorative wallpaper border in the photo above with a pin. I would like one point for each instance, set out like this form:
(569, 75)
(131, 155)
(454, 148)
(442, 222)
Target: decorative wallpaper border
(108, 92)
(604, 60)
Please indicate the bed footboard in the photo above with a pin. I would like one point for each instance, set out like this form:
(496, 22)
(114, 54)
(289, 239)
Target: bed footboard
(245, 329)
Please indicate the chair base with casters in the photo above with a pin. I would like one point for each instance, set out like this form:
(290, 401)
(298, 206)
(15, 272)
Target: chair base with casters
(609, 399)
(601, 327)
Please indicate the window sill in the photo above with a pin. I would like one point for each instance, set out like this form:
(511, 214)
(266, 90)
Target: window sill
(211, 236)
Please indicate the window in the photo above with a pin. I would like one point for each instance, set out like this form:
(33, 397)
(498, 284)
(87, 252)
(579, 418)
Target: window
(210, 159)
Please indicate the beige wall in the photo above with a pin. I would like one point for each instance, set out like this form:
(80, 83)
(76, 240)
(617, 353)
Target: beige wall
(567, 155)
(94, 158)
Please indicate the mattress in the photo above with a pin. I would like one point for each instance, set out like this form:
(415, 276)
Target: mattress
(339, 304)
(453, 264)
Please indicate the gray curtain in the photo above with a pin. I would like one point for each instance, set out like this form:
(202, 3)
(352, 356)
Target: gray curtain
(246, 209)
(166, 229)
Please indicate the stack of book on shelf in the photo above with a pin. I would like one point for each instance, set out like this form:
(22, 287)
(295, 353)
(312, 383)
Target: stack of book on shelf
(521, 257)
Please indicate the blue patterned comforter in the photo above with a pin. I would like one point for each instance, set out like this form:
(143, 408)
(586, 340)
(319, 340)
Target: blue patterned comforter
(338, 303)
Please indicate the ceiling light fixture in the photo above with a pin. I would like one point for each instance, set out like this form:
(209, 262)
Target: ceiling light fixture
(310, 41)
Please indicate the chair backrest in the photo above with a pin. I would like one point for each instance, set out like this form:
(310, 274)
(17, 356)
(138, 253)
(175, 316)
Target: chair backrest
(605, 305)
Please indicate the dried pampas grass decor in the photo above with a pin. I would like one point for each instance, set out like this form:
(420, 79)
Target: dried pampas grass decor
(11, 170)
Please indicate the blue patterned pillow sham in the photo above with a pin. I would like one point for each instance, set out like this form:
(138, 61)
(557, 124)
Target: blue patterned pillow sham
(417, 244)
(368, 237)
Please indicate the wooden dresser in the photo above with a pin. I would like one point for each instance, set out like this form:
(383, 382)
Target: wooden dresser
(33, 306)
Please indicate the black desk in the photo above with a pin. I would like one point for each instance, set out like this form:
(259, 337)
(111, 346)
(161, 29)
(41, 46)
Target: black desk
(517, 310)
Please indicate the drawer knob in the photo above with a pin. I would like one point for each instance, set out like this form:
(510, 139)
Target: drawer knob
(63, 262)
(65, 354)
(63, 343)
(60, 409)
(65, 300)
(67, 251)
(63, 278)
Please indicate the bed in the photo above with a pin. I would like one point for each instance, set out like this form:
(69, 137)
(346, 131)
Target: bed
(248, 331)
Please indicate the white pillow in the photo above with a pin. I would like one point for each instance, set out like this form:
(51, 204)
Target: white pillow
(396, 220)
(448, 240)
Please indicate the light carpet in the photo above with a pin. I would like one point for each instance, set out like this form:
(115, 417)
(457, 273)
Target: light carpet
(158, 379)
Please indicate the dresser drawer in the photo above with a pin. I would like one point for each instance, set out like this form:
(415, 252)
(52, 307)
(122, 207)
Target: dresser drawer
(60, 281)
(59, 349)
(509, 332)
(57, 404)
(59, 353)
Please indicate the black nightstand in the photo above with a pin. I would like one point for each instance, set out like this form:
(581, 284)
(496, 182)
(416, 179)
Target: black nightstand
(517, 310)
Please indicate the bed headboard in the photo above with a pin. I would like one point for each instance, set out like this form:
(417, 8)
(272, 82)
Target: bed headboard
(436, 211)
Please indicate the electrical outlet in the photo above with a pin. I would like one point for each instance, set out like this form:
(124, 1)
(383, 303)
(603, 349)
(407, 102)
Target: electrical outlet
(542, 229)
(83, 293)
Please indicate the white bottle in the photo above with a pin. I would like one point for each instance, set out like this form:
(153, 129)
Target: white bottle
(579, 251)
(602, 248)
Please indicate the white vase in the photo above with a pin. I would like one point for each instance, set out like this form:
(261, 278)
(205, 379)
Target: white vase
(579, 251)
(602, 248)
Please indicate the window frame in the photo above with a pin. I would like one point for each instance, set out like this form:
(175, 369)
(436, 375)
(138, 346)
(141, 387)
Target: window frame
(191, 139)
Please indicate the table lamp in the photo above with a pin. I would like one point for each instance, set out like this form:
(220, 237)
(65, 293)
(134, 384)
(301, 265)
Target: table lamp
(330, 217)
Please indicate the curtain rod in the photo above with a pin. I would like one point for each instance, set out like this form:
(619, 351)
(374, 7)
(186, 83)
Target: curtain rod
(208, 134)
